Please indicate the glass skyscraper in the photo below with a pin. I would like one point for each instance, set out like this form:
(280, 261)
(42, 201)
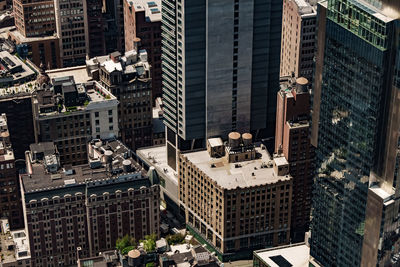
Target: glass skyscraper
(355, 130)
(220, 69)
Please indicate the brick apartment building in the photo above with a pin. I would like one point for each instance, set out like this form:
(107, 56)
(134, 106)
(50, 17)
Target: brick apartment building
(236, 198)
(298, 38)
(35, 33)
(292, 141)
(142, 25)
(88, 206)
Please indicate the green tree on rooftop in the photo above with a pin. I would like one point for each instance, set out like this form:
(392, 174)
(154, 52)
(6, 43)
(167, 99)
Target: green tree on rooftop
(125, 244)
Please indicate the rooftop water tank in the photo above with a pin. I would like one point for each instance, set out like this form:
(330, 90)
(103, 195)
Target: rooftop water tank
(234, 139)
(247, 139)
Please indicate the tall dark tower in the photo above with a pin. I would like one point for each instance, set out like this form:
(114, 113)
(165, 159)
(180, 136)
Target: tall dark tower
(355, 128)
(220, 69)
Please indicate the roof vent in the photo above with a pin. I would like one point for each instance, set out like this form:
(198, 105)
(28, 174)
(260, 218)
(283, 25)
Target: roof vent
(55, 176)
(69, 182)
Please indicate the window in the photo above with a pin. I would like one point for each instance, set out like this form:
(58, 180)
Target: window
(96, 114)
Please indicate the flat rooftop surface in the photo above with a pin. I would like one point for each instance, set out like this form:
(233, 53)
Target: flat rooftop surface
(297, 255)
(151, 7)
(24, 39)
(380, 192)
(157, 156)
(79, 73)
(66, 179)
(240, 174)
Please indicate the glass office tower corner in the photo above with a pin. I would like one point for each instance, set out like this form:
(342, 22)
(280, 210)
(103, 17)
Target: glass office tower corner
(353, 124)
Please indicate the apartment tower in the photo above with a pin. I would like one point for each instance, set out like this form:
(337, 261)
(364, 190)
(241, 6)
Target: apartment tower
(356, 131)
(298, 38)
(292, 140)
(72, 29)
(36, 31)
(10, 205)
(128, 77)
(220, 69)
(142, 25)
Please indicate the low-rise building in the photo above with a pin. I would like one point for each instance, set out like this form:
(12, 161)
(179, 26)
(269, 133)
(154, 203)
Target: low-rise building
(88, 206)
(156, 157)
(235, 196)
(105, 259)
(13, 70)
(189, 256)
(291, 255)
(15, 249)
(72, 114)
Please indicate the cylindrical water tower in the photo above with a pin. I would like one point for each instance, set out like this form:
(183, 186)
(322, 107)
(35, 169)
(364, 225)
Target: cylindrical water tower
(234, 139)
(247, 139)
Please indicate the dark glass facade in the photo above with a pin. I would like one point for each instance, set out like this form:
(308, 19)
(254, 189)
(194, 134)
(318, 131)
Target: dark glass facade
(204, 96)
(355, 90)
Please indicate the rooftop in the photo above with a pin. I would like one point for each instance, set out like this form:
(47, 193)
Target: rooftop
(158, 124)
(151, 7)
(65, 96)
(187, 255)
(6, 152)
(385, 196)
(13, 70)
(110, 162)
(105, 259)
(23, 39)
(296, 255)
(384, 10)
(79, 73)
(306, 7)
(157, 156)
(215, 142)
(14, 246)
(132, 63)
(239, 174)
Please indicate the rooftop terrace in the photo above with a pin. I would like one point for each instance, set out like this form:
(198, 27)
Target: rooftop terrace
(66, 96)
(14, 246)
